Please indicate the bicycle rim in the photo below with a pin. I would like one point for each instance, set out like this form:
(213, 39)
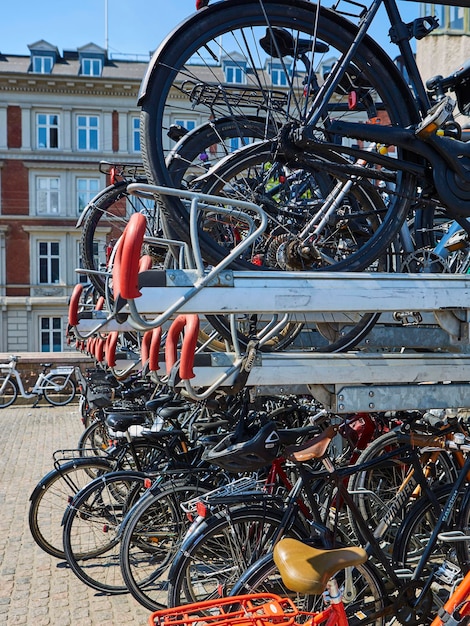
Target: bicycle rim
(240, 27)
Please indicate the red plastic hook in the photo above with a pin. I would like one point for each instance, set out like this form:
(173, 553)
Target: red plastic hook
(73, 304)
(155, 349)
(110, 349)
(130, 251)
(188, 348)
(145, 346)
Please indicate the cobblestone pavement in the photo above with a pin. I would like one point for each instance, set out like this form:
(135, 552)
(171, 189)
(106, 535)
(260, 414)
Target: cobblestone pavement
(35, 588)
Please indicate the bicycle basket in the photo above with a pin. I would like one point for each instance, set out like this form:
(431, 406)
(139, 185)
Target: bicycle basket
(263, 609)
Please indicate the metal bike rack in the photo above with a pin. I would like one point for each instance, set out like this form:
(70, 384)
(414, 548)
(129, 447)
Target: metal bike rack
(391, 379)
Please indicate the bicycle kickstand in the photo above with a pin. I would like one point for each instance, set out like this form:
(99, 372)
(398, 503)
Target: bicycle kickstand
(36, 402)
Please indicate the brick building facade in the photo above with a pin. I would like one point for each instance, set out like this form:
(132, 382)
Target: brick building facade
(60, 115)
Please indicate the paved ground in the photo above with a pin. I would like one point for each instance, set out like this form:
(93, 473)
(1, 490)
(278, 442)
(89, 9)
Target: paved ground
(36, 589)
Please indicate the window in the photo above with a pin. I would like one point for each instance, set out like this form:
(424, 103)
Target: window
(47, 130)
(278, 77)
(456, 21)
(188, 124)
(47, 195)
(91, 67)
(235, 74)
(87, 188)
(135, 134)
(50, 331)
(49, 262)
(87, 132)
(42, 64)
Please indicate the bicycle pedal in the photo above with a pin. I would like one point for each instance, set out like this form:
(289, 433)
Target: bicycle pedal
(436, 117)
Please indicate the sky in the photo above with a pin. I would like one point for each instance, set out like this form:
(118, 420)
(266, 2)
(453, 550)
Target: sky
(132, 28)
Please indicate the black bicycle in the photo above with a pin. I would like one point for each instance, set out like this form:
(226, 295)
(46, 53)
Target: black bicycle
(349, 145)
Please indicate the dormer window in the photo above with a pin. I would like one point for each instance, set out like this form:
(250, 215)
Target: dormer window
(235, 74)
(91, 67)
(43, 57)
(235, 67)
(92, 59)
(42, 64)
(277, 71)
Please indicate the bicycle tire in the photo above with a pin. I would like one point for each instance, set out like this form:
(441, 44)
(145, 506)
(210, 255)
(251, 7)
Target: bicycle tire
(9, 393)
(365, 601)
(194, 153)
(203, 31)
(152, 533)
(51, 496)
(412, 539)
(94, 439)
(91, 528)
(373, 489)
(107, 216)
(59, 397)
(215, 556)
(339, 333)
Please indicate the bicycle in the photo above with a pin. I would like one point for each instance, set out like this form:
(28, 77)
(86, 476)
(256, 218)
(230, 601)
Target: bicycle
(74, 469)
(307, 569)
(55, 385)
(304, 570)
(357, 194)
(409, 576)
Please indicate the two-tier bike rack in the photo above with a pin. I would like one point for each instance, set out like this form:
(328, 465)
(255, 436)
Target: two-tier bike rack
(398, 366)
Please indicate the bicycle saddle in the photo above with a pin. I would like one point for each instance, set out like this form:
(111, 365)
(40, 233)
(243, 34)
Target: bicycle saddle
(314, 448)
(279, 43)
(121, 422)
(305, 569)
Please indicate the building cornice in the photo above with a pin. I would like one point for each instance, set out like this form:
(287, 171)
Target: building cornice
(68, 85)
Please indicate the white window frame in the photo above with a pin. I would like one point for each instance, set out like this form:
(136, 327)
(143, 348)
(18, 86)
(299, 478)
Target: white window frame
(51, 331)
(40, 63)
(279, 77)
(47, 197)
(237, 74)
(51, 128)
(50, 257)
(83, 196)
(135, 142)
(91, 66)
(86, 130)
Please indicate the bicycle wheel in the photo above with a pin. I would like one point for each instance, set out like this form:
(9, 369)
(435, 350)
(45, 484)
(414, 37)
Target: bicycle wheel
(153, 531)
(212, 559)
(94, 439)
(59, 391)
(325, 332)
(363, 592)
(205, 145)
(106, 218)
(373, 489)
(442, 568)
(8, 392)
(234, 34)
(91, 528)
(51, 496)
